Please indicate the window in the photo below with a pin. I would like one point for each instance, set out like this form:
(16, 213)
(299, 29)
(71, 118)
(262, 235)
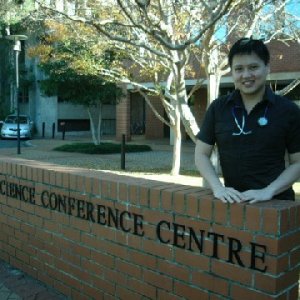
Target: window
(23, 95)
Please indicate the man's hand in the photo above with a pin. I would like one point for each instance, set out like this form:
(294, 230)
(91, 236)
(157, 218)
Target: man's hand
(254, 196)
(228, 194)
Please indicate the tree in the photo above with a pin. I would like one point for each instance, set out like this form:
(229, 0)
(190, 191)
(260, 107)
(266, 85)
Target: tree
(68, 64)
(156, 36)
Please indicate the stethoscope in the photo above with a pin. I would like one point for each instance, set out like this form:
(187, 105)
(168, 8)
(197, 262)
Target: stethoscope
(262, 121)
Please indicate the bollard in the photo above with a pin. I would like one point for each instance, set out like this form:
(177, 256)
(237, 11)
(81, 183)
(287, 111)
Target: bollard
(63, 126)
(53, 130)
(123, 152)
(43, 129)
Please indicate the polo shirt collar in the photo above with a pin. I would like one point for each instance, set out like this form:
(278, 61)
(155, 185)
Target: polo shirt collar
(235, 96)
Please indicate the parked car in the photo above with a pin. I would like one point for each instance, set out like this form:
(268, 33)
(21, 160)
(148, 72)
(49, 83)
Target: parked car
(9, 127)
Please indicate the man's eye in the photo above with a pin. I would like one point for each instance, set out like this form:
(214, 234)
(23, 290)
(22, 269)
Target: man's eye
(238, 69)
(253, 67)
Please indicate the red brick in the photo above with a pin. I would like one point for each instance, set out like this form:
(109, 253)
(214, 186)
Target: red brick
(158, 280)
(277, 264)
(205, 211)
(81, 224)
(167, 195)
(221, 212)
(79, 295)
(71, 281)
(133, 194)
(275, 285)
(130, 269)
(163, 295)
(98, 288)
(159, 250)
(289, 242)
(66, 290)
(96, 186)
(237, 215)
(142, 259)
(238, 292)
(295, 257)
(155, 216)
(179, 202)
(123, 192)
(125, 293)
(70, 233)
(189, 292)
(177, 271)
(253, 218)
(142, 288)
(103, 259)
(210, 282)
(233, 272)
(114, 276)
(22, 256)
(144, 196)
(192, 259)
(271, 221)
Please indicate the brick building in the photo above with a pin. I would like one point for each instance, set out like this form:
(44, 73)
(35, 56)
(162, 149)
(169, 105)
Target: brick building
(285, 67)
(132, 116)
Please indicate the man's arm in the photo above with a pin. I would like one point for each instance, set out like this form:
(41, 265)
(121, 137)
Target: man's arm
(206, 169)
(285, 180)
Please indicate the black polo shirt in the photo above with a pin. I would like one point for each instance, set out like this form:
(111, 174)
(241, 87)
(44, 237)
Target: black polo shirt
(254, 160)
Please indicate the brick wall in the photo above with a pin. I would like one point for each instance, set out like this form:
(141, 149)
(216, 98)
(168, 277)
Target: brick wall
(284, 57)
(92, 235)
(123, 117)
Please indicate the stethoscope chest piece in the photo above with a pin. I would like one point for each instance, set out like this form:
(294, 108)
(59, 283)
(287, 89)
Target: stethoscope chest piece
(262, 121)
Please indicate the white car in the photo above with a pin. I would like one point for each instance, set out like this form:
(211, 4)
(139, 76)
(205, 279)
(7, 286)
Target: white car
(9, 127)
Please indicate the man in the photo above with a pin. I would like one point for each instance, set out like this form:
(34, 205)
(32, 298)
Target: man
(253, 129)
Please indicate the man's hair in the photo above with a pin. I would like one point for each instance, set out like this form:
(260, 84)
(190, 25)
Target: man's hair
(248, 46)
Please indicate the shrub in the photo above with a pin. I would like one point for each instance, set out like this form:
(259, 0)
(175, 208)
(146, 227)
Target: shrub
(103, 148)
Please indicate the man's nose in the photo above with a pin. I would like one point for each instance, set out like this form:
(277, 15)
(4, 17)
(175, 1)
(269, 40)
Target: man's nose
(246, 73)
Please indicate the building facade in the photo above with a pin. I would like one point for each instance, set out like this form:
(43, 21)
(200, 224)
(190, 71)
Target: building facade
(132, 116)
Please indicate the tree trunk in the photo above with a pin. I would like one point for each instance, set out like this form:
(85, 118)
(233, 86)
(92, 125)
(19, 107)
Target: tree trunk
(99, 135)
(177, 143)
(213, 93)
(186, 115)
(93, 132)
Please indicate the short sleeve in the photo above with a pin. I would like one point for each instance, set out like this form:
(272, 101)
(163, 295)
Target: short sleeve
(207, 129)
(293, 136)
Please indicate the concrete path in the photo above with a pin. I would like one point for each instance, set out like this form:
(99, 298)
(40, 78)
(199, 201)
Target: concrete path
(16, 285)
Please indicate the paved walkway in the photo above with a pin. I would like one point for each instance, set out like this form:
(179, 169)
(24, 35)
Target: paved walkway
(15, 285)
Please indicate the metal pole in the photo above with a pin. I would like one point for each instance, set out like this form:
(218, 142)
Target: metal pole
(17, 48)
(17, 38)
(53, 130)
(43, 129)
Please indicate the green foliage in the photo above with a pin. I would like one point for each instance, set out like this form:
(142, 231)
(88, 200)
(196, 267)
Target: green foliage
(103, 148)
(81, 89)
(4, 111)
(14, 12)
(71, 64)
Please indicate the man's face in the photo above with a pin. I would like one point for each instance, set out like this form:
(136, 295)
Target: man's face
(249, 74)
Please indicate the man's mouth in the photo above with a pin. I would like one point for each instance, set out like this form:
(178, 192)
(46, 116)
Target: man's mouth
(248, 83)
